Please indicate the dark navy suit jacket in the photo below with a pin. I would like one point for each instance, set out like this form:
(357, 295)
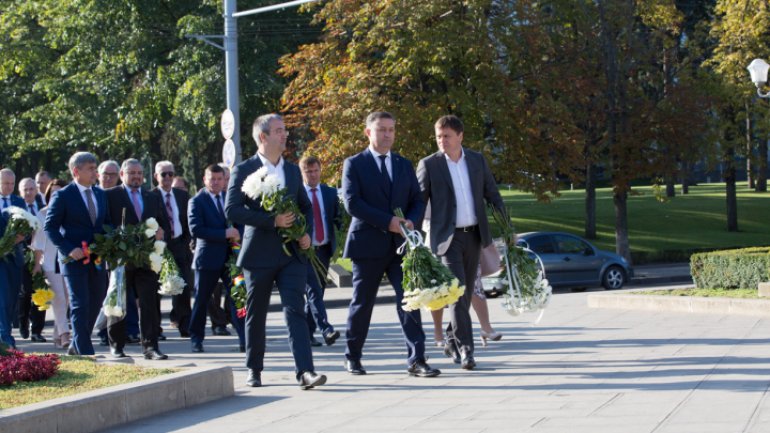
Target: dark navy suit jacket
(208, 227)
(262, 246)
(68, 224)
(372, 206)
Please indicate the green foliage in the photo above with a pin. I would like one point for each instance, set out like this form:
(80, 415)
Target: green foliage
(742, 268)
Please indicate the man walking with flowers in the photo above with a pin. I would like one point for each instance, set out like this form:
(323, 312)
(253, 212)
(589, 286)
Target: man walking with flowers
(375, 183)
(457, 182)
(76, 213)
(138, 205)
(275, 246)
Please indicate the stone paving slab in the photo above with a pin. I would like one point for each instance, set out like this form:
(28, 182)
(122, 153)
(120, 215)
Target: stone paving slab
(579, 370)
(683, 304)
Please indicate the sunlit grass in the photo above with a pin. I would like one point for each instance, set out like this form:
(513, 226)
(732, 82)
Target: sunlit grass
(76, 374)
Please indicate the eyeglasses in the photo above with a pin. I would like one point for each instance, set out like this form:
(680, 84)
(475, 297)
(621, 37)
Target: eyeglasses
(167, 174)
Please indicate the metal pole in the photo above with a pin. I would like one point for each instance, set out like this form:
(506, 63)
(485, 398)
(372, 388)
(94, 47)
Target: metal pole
(231, 71)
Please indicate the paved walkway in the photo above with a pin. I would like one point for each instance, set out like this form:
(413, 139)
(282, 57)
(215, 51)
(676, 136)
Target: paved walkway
(578, 370)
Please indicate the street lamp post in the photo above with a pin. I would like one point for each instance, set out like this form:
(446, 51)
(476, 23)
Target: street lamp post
(758, 69)
(230, 46)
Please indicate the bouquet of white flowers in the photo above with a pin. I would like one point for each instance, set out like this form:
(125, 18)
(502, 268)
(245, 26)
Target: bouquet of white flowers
(276, 200)
(171, 283)
(522, 280)
(21, 223)
(114, 304)
(428, 283)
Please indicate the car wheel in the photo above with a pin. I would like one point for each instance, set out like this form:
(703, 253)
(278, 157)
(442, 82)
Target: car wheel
(613, 278)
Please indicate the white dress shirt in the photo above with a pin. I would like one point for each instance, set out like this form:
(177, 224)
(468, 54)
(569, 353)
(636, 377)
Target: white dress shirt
(82, 190)
(274, 169)
(466, 213)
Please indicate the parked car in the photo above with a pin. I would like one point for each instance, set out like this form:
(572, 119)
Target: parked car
(571, 261)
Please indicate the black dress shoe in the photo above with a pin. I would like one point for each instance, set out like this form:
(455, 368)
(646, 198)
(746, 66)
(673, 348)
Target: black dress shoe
(103, 340)
(467, 362)
(310, 379)
(117, 353)
(161, 337)
(72, 351)
(24, 333)
(450, 352)
(221, 330)
(331, 337)
(314, 342)
(133, 339)
(354, 367)
(184, 334)
(197, 347)
(37, 338)
(422, 369)
(254, 380)
(154, 354)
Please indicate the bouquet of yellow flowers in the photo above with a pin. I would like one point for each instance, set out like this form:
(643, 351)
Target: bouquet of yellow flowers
(42, 296)
(428, 283)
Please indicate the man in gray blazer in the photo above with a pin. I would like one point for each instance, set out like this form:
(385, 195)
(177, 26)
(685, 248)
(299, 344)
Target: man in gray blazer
(457, 182)
(262, 255)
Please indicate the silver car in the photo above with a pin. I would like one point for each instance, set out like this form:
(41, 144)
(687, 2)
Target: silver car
(571, 261)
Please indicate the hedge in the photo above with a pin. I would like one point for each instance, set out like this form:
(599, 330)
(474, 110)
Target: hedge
(742, 268)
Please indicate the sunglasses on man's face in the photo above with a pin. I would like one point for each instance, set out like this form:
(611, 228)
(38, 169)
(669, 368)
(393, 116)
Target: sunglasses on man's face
(167, 174)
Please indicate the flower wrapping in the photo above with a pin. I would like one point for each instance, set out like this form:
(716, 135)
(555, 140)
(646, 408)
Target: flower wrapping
(20, 223)
(114, 304)
(171, 282)
(238, 287)
(522, 280)
(42, 296)
(428, 283)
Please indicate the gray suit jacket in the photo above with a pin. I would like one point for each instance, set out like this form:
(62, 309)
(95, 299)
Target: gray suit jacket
(436, 187)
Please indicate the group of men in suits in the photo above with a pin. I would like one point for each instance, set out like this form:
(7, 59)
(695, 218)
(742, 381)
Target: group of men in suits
(11, 265)
(375, 182)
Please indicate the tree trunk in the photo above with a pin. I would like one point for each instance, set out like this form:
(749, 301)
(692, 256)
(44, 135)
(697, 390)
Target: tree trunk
(730, 191)
(670, 187)
(622, 246)
(590, 223)
(761, 166)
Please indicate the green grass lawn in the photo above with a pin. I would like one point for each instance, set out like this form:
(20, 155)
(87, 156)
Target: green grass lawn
(657, 231)
(76, 374)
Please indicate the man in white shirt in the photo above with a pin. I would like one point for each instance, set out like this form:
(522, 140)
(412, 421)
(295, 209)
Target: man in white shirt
(457, 182)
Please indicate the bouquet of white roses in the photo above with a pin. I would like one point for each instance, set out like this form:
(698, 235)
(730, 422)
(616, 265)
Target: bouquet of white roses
(276, 200)
(20, 223)
(428, 283)
(171, 283)
(114, 304)
(522, 280)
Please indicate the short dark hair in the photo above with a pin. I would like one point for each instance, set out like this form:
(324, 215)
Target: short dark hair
(49, 192)
(450, 121)
(215, 168)
(377, 115)
(309, 160)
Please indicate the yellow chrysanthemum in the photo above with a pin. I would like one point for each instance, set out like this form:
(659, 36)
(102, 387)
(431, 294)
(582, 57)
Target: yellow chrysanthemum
(42, 298)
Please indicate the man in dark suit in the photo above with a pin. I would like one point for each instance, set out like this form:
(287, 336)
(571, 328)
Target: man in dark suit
(374, 183)
(175, 204)
(139, 205)
(457, 182)
(326, 219)
(75, 214)
(42, 180)
(213, 236)
(262, 255)
(29, 314)
(10, 265)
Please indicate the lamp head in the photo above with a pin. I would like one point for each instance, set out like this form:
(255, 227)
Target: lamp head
(758, 70)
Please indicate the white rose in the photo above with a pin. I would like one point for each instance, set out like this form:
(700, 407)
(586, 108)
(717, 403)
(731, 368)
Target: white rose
(156, 262)
(150, 232)
(152, 223)
(159, 246)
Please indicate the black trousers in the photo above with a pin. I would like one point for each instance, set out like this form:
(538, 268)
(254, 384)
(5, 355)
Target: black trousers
(180, 304)
(144, 284)
(28, 312)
